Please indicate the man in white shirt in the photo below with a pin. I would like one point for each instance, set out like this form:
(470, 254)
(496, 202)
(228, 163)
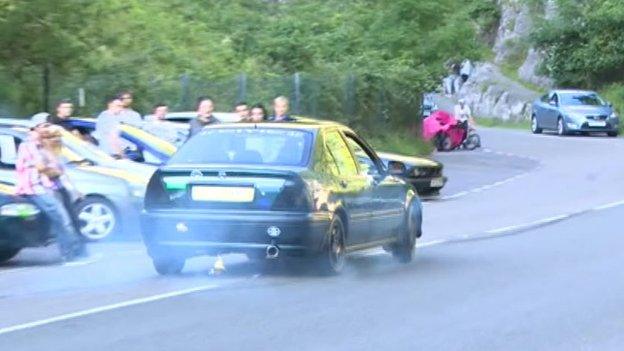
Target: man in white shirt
(128, 115)
(463, 113)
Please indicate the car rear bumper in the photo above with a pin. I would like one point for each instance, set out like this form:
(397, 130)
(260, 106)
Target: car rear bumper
(193, 233)
(18, 233)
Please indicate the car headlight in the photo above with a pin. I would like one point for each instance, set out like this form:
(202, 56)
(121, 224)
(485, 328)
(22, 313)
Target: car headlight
(418, 172)
(613, 115)
(23, 210)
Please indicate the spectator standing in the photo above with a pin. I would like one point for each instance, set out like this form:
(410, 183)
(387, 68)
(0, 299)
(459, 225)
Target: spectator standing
(107, 128)
(64, 110)
(158, 125)
(280, 110)
(242, 110)
(37, 171)
(205, 107)
(465, 70)
(128, 115)
(258, 114)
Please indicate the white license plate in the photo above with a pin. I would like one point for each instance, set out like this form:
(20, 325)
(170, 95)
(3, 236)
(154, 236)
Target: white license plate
(222, 193)
(597, 123)
(437, 182)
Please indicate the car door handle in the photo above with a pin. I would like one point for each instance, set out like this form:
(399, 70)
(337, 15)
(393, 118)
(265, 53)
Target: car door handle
(343, 183)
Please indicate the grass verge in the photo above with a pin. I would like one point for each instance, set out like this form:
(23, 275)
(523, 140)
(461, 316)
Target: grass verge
(400, 142)
(499, 123)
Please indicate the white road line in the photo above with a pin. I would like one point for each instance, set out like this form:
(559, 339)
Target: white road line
(608, 206)
(512, 228)
(430, 243)
(94, 258)
(105, 308)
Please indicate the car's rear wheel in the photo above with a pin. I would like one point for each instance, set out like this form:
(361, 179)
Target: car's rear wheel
(535, 125)
(97, 218)
(8, 253)
(332, 260)
(405, 246)
(168, 265)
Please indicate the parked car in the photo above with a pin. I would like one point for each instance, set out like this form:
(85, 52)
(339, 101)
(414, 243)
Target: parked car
(574, 111)
(273, 190)
(180, 120)
(22, 224)
(75, 148)
(425, 175)
(141, 146)
(113, 196)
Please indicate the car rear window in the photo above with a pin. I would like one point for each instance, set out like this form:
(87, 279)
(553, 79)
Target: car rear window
(265, 146)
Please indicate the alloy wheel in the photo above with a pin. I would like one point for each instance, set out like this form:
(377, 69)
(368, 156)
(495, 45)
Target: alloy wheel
(97, 220)
(337, 247)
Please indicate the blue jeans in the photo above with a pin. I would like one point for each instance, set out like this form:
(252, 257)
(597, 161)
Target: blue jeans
(60, 220)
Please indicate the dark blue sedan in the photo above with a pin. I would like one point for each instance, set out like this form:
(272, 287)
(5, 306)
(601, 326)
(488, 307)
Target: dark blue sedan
(273, 191)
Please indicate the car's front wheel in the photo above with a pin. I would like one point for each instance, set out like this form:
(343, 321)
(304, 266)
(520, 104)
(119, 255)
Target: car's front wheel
(8, 253)
(535, 125)
(332, 259)
(97, 218)
(168, 265)
(561, 128)
(405, 246)
(612, 134)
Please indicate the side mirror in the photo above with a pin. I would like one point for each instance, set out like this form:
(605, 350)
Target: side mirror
(134, 155)
(552, 103)
(396, 168)
(610, 104)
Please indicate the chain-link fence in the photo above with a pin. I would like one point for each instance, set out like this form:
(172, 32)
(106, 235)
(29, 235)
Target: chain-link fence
(363, 101)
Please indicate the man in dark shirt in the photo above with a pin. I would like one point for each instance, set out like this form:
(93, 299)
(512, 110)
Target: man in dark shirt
(64, 110)
(205, 106)
(280, 110)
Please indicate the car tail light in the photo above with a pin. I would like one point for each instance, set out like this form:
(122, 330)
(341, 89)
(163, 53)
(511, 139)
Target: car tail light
(294, 196)
(156, 194)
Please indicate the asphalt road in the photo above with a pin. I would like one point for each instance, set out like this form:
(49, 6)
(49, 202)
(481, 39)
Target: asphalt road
(520, 252)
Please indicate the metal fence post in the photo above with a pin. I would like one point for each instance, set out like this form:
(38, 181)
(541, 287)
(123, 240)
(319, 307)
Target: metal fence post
(45, 103)
(184, 92)
(297, 93)
(349, 96)
(242, 87)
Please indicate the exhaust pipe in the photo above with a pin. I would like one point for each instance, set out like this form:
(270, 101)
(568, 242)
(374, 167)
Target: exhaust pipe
(272, 251)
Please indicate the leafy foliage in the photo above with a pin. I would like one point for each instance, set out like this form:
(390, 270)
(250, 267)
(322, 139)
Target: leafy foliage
(585, 43)
(362, 60)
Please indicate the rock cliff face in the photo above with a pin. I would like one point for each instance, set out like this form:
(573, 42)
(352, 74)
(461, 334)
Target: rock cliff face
(514, 27)
(489, 92)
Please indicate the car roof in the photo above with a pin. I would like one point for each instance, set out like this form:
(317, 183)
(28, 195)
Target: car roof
(573, 91)
(298, 123)
(222, 116)
(15, 130)
(12, 122)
